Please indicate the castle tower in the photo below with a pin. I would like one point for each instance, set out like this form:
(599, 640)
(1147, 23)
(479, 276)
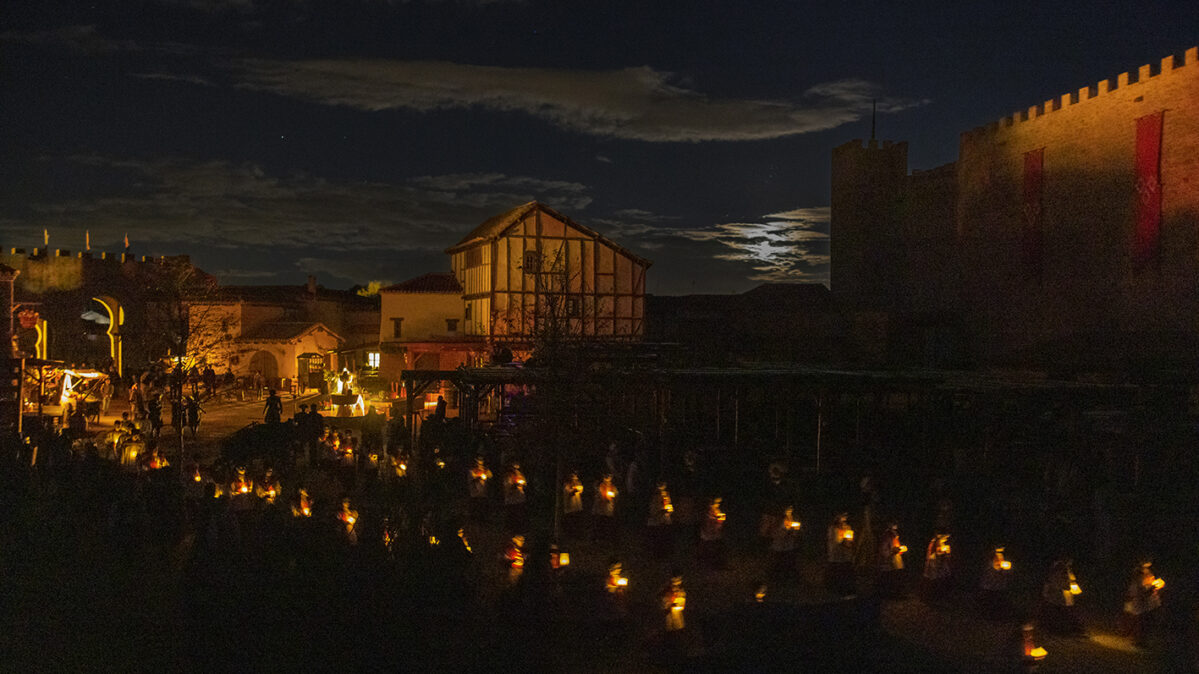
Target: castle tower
(867, 188)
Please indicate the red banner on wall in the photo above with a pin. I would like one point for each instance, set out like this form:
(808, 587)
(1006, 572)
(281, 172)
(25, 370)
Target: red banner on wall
(1033, 236)
(1147, 235)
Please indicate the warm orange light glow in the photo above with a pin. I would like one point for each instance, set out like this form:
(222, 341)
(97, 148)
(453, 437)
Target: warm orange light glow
(903, 549)
(564, 559)
(793, 524)
(1075, 589)
(1038, 653)
(1158, 583)
(848, 535)
(196, 477)
(611, 494)
(1005, 565)
(622, 581)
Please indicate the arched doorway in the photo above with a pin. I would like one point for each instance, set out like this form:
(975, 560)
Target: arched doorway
(265, 362)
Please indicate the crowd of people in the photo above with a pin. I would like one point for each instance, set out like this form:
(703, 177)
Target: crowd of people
(365, 493)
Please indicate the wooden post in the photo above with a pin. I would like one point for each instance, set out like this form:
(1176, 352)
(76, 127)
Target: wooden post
(736, 416)
(819, 426)
(718, 416)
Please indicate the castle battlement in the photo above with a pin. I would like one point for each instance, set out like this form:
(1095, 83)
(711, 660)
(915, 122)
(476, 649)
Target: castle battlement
(1169, 66)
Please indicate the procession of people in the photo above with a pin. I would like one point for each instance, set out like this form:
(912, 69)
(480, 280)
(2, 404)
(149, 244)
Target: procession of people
(558, 532)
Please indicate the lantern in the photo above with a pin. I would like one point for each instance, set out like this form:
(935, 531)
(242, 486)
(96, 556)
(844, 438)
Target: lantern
(1005, 565)
(1075, 589)
(848, 535)
(1038, 653)
(1158, 583)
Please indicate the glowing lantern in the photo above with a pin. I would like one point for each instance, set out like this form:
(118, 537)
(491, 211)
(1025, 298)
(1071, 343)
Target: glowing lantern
(793, 524)
(1075, 589)
(564, 559)
(903, 549)
(1005, 565)
(1038, 653)
(847, 535)
(622, 581)
(1158, 583)
(611, 494)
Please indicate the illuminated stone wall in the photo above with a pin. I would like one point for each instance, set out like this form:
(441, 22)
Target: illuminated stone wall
(1031, 238)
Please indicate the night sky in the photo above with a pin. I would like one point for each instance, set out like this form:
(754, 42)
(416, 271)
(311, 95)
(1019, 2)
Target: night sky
(356, 140)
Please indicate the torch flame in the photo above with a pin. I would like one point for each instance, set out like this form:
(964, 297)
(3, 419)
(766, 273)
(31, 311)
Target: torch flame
(1158, 583)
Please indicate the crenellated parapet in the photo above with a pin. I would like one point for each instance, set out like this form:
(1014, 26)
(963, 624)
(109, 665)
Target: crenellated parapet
(1186, 64)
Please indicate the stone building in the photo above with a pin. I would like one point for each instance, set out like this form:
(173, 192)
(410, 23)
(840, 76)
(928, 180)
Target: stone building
(1065, 235)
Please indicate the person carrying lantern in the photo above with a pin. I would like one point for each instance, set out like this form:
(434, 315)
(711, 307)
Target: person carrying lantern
(241, 489)
(1060, 593)
(349, 519)
(890, 563)
(783, 542)
(603, 508)
(268, 489)
(674, 601)
(515, 498)
(994, 583)
(937, 569)
(711, 534)
(1142, 601)
(302, 508)
(617, 583)
(659, 520)
(1028, 654)
(514, 558)
(572, 504)
(480, 477)
(840, 547)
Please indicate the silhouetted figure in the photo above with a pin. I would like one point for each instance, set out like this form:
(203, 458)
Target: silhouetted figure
(273, 410)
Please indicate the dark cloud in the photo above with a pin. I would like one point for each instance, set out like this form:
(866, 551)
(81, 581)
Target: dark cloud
(633, 103)
(81, 38)
(220, 205)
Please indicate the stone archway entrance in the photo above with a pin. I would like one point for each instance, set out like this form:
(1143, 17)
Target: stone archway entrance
(266, 363)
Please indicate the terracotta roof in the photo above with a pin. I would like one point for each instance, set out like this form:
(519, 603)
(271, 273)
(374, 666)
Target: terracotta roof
(284, 331)
(433, 282)
(494, 227)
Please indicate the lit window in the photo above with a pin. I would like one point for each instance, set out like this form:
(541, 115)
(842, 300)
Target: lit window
(372, 359)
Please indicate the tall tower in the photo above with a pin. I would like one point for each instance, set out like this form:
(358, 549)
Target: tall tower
(867, 187)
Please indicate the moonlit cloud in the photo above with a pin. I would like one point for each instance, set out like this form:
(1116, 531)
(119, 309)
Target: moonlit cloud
(789, 246)
(633, 103)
